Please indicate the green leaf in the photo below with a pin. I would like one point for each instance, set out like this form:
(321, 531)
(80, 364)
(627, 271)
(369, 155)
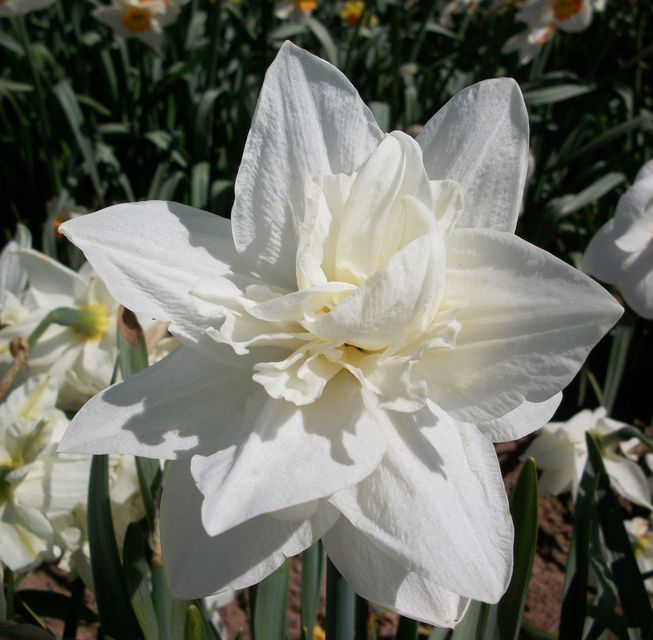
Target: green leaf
(137, 580)
(621, 339)
(199, 185)
(524, 511)
(551, 95)
(340, 606)
(574, 604)
(195, 627)
(68, 101)
(111, 596)
(470, 625)
(170, 612)
(564, 205)
(324, 38)
(203, 132)
(271, 604)
(312, 563)
(132, 350)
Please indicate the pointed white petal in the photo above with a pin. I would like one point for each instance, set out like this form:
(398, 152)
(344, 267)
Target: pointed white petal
(480, 139)
(437, 504)
(288, 455)
(309, 121)
(379, 577)
(526, 418)
(528, 321)
(150, 254)
(628, 479)
(235, 559)
(177, 407)
(51, 283)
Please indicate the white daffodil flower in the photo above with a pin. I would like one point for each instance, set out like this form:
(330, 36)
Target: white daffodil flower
(19, 7)
(544, 17)
(141, 19)
(621, 253)
(38, 488)
(13, 278)
(80, 358)
(352, 342)
(560, 450)
(642, 535)
(294, 10)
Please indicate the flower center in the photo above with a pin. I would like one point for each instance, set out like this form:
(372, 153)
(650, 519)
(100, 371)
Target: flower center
(565, 9)
(136, 19)
(306, 5)
(5, 486)
(93, 321)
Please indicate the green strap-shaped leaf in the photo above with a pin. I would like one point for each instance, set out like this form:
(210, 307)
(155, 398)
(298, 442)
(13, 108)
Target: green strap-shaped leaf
(340, 606)
(574, 604)
(312, 563)
(524, 511)
(137, 581)
(270, 603)
(111, 596)
(170, 613)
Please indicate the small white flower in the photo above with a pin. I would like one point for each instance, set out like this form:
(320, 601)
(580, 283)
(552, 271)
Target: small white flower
(294, 9)
(38, 488)
(141, 19)
(544, 17)
(352, 341)
(20, 7)
(621, 253)
(560, 450)
(642, 535)
(80, 358)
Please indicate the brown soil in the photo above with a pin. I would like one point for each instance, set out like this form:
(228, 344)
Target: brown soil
(542, 604)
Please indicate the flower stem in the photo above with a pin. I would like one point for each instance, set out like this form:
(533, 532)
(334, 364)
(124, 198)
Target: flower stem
(340, 606)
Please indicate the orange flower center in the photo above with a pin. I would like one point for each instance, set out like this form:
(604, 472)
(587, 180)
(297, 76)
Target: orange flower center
(136, 19)
(564, 9)
(306, 5)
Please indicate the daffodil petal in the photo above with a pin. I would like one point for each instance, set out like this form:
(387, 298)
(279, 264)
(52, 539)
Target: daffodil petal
(51, 283)
(183, 245)
(519, 422)
(177, 407)
(235, 559)
(528, 321)
(309, 121)
(379, 577)
(480, 140)
(289, 455)
(437, 504)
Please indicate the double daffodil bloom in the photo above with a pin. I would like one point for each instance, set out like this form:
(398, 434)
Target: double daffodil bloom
(352, 343)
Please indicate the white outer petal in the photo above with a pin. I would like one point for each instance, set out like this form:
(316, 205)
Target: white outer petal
(197, 564)
(177, 407)
(438, 506)
(377, 576)
(480, 139)
(309, 120)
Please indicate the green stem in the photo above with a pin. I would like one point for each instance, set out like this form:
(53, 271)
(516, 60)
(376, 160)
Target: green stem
(339, 606)
(63, 315)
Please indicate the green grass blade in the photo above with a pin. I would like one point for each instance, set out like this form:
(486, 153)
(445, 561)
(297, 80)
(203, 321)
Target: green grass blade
(524, 510)
(113, 604)
(312, 563)
(137, 580)
(340, 606)
(271, 603)
(195, 627)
